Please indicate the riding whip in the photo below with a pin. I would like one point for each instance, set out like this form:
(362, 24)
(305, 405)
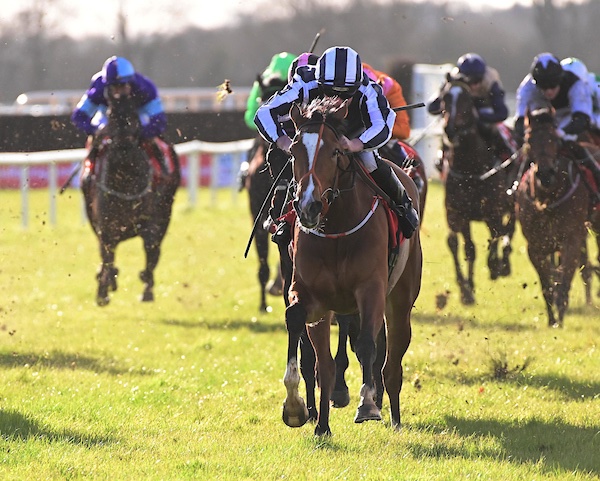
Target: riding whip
(314, 44)
(262, 207)
(409, 106)
(70, 179)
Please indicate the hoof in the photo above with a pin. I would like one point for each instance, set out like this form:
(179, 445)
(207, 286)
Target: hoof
(340, 399)
(367, 413)
(274, 288)
(102, 301)
(322, 431)
(295, 418)
(312, 415)
(147, 297)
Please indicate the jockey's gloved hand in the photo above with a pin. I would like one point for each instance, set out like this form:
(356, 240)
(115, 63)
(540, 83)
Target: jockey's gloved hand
(566, 137)
(351, 145)
(284, 143)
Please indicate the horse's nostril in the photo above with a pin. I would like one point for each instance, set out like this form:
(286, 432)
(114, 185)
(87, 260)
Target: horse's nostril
(315, 208)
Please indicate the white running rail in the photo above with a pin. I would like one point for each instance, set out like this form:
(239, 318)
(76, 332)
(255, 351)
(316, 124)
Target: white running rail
(192, 150)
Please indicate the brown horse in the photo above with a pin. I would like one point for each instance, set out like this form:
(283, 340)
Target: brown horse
(471, 193)
(553, 207)
(340, 264)
(125, 197)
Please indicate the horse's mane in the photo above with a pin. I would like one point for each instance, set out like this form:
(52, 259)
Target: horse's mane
(542, 116)
(323, 109)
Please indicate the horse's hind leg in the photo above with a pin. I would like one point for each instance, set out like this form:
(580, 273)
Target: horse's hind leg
(308, 368)
(320, 337)
(341, 396)
(586, 273)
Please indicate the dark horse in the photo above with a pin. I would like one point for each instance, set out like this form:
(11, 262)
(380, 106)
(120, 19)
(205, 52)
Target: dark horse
(257, 180)
(472, 194)
(125, 197)
(340, 264)
(552, 207)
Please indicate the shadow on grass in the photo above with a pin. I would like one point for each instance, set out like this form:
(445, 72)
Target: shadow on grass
(18, 427)
(467, 322)
(233, 324)
(551, 445)
(63, 360)
(564, 387)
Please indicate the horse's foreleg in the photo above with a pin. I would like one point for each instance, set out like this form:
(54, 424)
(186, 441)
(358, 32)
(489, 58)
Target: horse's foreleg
(545, 269)
(295, 413)
(107, 276)
(470, 256)
(152, 248)
(493, 260)
(371, 313)
(264, 272)
(320, 337)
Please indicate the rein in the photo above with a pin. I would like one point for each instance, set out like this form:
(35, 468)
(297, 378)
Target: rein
(356, 228)
(539, 205)
(335, 192)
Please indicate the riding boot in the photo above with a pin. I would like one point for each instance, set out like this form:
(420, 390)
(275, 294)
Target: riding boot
(385, 178)
(583, 157)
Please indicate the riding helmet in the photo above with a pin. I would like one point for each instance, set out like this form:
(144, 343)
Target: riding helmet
(339, 72)
(117, 70)
(546, 71)
(471, 66)
(573, 64)
(300, 61)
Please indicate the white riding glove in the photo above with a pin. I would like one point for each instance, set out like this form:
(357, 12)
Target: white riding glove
(563, 135)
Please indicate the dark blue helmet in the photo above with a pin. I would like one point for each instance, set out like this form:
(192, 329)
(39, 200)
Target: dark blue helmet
(117, 70)
(546, 71)
(472, 67)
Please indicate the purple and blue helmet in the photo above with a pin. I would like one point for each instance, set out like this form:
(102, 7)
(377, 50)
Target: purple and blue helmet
(117, 70)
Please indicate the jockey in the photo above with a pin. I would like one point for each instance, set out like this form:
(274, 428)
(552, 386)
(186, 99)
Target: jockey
(118, 75)
(339, 73)
(550, 85)
(488, 97)
(278, 68)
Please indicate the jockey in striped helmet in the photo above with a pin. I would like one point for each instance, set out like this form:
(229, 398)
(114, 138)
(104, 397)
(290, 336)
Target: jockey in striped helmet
(339, 73)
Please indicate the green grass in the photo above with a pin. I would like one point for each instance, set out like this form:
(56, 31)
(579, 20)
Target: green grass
(189, 387)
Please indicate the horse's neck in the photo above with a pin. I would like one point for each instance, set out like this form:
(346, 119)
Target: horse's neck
(471, 154)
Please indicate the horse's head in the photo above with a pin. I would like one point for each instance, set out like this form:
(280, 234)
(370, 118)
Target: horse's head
(542, 144)
(459, 112)
(123, 119)
(317, 157)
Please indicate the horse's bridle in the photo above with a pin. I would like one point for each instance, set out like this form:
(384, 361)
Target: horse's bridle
(329, 195)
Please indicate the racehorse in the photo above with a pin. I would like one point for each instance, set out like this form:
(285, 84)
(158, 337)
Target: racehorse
(126, 195)
(408, 159)
(471, 193)
(552, 208)
(257, 180)
(340, 264)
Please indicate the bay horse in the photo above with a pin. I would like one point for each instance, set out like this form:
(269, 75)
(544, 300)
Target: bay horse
(340, 265)
(257, 180)
(408, 159)
(552, 208)
(126, 195)
(471, 194)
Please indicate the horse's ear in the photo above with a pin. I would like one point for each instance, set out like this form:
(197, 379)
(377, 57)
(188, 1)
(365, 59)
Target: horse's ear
(295, 114)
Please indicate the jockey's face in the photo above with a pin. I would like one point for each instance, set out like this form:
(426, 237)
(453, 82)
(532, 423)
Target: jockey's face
(550, 93)
(119, 90)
